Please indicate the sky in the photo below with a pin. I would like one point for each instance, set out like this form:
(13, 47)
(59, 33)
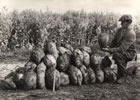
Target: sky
(61, 6)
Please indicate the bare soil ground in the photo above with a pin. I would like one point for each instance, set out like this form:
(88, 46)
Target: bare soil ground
(104, 91)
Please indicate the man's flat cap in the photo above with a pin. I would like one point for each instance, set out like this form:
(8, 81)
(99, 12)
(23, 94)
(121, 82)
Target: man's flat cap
(126, 18)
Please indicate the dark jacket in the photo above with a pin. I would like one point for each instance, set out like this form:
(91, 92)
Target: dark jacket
(123, 41)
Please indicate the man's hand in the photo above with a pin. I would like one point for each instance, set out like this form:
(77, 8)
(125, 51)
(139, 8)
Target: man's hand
(105, 49)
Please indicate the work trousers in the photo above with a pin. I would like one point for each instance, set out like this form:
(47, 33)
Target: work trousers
(121, 60)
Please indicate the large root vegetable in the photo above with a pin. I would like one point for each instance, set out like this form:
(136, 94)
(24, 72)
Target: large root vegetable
(77, 58)
(75, 75)
(92, 76)
(50, 78)
(18, 78)
(30, 65)
(64, 79)
(15, 80)
(110, 69)
(41, 69)
(110, 75)
(37, 55)
(132, 70)
(99, 75)
(50, 48)
(95, 61)
(8, 83)
(50, 61)
(86, 48)
(30, 79)
(96, 66)
(63, 50)
(69, 47)
(106, 62)
(103, 40)
(86, 59)
(63, 62)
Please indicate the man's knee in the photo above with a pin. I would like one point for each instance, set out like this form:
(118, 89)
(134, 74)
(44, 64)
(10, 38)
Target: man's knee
(116, 56)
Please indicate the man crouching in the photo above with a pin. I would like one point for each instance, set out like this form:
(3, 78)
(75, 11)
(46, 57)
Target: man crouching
(123, 46)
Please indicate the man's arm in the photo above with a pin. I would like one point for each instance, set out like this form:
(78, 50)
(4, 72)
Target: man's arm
(126, 43)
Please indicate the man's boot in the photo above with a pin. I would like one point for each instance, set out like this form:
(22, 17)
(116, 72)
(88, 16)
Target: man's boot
(121, 80)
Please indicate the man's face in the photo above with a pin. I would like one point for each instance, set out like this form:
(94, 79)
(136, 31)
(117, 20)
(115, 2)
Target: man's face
(125, 24)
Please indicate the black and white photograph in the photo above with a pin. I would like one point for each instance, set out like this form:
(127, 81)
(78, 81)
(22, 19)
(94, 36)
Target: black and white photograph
(69, 49)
